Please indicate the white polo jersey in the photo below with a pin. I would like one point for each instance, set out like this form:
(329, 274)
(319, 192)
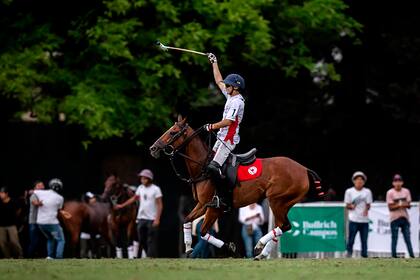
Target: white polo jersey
(234, 110)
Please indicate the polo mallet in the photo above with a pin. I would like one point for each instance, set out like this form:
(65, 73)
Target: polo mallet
(166, 48)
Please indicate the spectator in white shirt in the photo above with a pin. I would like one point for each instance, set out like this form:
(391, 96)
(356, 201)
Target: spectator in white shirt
(49, 203)
(34, 232)
(148, 215)
(358, 200)
(251, 217)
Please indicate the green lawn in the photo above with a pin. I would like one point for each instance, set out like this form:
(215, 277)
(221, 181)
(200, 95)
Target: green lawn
(232, 269)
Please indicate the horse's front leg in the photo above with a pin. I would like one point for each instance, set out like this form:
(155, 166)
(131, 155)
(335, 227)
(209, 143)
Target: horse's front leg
(198, 211)
(116, 236)
(212, 214)
(130, 238)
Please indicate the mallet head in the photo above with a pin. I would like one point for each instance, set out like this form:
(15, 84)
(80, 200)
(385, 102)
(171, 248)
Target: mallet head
(160, 45)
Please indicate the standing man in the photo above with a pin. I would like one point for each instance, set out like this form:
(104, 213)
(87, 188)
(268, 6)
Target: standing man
(34, 232)
(399, 199)
(358, 200)
(228, 136)
(148, 215)
(251, 218)
(9, 239)
(50, 203)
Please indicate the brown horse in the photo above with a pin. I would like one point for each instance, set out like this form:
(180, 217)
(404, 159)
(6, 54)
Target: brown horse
(283, 181)
(92, 219)
(122, 221)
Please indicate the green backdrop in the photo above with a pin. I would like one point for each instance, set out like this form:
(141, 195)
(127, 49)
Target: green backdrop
(315, 229)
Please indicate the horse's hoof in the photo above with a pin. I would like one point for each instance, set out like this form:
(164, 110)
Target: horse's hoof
(230, 250)
(258, 249)
(189, 253)
(259, 257)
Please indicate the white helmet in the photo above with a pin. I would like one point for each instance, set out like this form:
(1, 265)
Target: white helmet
(55, 184)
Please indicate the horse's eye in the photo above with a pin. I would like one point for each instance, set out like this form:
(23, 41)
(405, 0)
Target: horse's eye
(172, 133)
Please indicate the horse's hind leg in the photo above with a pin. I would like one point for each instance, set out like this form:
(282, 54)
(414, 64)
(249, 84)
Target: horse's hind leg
(287, 225)
(269, 241)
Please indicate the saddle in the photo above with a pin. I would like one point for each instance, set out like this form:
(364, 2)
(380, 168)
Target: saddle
(232, 163)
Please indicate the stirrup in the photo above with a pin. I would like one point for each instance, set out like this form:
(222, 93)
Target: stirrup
(216, 202)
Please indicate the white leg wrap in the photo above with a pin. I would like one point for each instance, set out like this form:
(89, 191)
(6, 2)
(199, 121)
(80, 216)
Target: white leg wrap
(187, 236)
(118, 252)
(270, 235)
(143, 254)
(213, 240)
(136, 247)
(269, 247)
(130, 252)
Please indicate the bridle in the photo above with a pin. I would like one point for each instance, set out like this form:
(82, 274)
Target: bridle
(169, 150)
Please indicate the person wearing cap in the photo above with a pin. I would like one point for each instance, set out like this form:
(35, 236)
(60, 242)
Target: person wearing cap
(398, 200)
(49, 203)
(9, 239)
(149, 212)
(358, 199)
(232, 87)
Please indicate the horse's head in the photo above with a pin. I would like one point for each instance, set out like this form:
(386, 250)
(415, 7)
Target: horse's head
(171, 139)
(112, 186)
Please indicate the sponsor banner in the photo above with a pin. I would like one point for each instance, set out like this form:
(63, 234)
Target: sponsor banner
(315, 228)
(379, 239)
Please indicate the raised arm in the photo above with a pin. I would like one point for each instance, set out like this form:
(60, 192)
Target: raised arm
(218, 78)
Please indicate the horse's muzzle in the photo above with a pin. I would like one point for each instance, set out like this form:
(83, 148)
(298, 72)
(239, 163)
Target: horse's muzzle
(154, 151)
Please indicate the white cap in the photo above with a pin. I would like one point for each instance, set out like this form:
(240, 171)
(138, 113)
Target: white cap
(359, 174)
(146, 173)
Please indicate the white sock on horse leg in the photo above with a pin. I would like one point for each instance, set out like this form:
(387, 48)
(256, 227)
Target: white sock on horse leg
(213, 240)
(130, 252)
(187, 236)
(118, 252)
(269, 247)
(143, 254)
(136, 247)
(270, 235)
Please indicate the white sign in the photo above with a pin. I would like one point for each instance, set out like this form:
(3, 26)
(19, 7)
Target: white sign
(379, 239)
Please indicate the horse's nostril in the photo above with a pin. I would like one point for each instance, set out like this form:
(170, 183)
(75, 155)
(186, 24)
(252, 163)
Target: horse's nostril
(153, 149)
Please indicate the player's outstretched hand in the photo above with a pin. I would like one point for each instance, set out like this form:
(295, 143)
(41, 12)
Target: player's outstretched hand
(212, 58)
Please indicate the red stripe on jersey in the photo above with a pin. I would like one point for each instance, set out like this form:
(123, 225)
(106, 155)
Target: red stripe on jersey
(232, 130)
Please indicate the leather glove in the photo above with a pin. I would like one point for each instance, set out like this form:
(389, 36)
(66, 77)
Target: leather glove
(208, 127)
(212, 58)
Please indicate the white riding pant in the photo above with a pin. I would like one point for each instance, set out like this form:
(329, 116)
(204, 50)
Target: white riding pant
(222, 150)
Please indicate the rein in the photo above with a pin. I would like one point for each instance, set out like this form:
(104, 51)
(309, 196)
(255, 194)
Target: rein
(173, 152)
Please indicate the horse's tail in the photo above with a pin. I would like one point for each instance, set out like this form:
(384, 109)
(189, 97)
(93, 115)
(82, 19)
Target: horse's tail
(315, 183)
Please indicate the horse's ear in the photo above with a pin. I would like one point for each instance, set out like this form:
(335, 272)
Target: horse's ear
(181, 119)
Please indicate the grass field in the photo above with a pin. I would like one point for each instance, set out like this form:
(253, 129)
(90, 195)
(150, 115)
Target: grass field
(231, 269)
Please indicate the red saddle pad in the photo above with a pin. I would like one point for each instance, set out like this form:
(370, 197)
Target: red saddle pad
(249, 172)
